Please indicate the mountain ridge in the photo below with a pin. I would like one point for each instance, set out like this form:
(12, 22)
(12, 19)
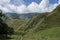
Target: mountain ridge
(43, 26)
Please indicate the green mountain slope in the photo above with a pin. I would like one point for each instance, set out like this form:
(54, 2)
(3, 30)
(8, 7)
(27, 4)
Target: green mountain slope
(48, 34)
(43, 26)
(51, 20)
(46, 20)
(48, 29)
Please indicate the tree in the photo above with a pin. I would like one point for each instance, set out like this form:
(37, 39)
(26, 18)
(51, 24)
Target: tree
(4, 29)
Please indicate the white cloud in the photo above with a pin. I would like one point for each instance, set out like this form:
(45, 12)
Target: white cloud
(12, 7)
(4, 1)
(21, 9)
(51, 7)
(44, 6)
(4, 9)
(33, 7)
(59, 1)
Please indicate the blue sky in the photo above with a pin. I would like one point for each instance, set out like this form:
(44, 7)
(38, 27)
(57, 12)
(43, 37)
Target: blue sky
(28, 6)
(27, 2)
(53, 1)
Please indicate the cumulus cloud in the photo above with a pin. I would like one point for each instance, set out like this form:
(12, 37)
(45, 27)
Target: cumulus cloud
(21, 9)
(44, 6)
(3, 5)
(4, 9)
(33, 7)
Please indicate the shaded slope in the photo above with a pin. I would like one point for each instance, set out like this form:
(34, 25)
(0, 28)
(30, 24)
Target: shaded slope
(15, 23)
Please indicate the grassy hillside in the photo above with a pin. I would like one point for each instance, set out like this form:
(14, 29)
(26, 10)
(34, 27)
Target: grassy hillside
(15, 23)
(46, 29)
(51, 20)
(43, 26)
(48, 34)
